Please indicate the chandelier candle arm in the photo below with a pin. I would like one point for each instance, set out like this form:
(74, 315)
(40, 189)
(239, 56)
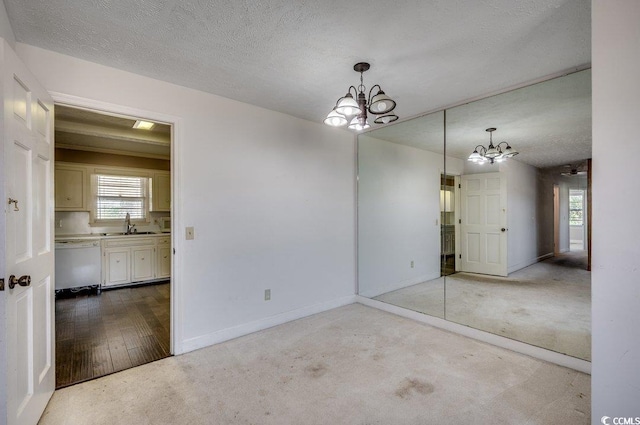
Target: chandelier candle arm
(352, 108)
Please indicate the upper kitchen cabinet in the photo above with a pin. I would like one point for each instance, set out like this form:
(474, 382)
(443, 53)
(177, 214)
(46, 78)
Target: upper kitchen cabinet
(161, 191)
(71, 188)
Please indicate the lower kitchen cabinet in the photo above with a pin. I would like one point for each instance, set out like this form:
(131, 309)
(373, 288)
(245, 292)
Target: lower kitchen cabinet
(142, 266)
(163, 259)
(132, 259)
(116, 267)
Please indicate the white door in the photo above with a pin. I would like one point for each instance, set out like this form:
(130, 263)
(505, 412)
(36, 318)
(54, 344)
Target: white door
(483, 223)
(27, 173)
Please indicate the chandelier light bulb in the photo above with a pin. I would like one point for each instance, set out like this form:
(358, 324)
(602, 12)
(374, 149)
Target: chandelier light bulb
(381, 103)
(386, 119)
(357, 125)
(347, 106)
(334, 119)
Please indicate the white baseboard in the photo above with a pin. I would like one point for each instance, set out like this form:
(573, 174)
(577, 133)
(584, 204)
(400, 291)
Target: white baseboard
(258, 325)
(400, 285)
(510, 344)
(524, 264)
(545, 256)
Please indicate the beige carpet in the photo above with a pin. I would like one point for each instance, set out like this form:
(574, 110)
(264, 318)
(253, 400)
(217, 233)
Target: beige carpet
(547, 304)
(351, 365)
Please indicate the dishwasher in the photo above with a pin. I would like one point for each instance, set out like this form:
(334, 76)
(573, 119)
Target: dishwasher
(78, 265)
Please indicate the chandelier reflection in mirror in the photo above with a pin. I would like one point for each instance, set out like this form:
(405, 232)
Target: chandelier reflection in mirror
(492, 154)
(353, 110)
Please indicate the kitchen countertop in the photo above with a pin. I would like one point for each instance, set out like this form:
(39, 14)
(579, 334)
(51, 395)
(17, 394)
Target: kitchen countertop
(99, 236)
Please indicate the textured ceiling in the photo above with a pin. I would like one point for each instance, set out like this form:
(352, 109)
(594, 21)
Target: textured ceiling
(296, 57)
(548, 123)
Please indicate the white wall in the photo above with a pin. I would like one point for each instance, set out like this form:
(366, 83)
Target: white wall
(545, 212)
(271, 198)
(6, 31)
(564, 238)
(398, 215)
(615, 274)
(522, 191)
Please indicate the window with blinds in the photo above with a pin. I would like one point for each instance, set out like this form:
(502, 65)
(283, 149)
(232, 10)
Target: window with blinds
(118, 195)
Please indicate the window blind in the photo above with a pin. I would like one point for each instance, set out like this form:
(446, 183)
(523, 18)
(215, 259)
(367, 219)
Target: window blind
(119, 195)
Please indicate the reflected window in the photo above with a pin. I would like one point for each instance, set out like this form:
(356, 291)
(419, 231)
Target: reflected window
(576, 207)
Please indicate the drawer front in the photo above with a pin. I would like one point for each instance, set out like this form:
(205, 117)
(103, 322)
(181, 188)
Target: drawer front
(164, 241)
(128, 242)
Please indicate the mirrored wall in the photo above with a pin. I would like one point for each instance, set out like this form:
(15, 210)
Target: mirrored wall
(501, 243)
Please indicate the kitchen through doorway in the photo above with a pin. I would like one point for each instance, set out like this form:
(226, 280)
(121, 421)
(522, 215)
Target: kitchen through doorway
(113, 271)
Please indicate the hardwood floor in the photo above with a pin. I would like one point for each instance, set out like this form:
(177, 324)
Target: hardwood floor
(100, 334)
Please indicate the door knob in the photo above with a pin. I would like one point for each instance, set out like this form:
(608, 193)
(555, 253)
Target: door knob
(22, 281)
(503, 230)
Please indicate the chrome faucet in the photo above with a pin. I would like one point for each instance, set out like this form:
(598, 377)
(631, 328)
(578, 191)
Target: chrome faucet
(130, 227)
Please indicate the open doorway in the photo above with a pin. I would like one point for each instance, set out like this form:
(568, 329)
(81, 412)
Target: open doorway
(113, 243)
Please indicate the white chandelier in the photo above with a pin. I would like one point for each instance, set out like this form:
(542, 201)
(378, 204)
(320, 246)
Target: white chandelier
(492, 153)
(353, 111)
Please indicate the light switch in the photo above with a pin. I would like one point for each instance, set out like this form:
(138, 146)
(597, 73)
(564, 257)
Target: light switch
(189, 233)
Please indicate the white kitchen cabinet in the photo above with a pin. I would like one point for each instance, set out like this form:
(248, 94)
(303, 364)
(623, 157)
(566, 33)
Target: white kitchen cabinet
(142, 263)
(71, 188)
(163, 258)
(116, 266)
(161, 191)
(133, 259)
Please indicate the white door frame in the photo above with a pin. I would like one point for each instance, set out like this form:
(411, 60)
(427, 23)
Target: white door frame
(176, 313)
(556, 219)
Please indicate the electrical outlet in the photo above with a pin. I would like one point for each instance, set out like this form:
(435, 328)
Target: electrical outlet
(411, 263)
(189, 233)
(267, 294)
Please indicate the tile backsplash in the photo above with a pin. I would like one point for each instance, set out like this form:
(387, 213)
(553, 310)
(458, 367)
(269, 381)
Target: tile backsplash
(77, 223)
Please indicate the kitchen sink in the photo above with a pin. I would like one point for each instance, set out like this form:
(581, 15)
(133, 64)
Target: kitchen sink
(128, 234)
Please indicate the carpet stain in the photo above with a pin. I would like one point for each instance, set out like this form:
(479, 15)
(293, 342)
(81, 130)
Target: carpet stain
(285, 379)
(378, 356)
(409, 386)
(317, 370)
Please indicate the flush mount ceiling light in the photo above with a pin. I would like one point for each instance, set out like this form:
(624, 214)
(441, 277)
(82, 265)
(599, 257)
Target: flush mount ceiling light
(143, 125)
(492, 154)
(353, 110)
